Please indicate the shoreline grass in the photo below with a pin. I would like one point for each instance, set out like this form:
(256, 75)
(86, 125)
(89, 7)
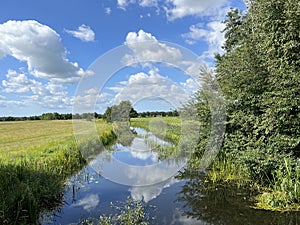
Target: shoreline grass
(281, 193)
(33, 172)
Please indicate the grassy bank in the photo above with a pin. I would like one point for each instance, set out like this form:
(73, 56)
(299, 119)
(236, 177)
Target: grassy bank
(36, 158)
(279, 190)
(166, 128)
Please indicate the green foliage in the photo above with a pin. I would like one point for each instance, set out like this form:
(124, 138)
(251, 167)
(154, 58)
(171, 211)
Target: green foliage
(33, 174)
(259, 74)
(107, 114)
(31, 185)
(284, 191)
(131, 213)
(120, 113)
(166, 128)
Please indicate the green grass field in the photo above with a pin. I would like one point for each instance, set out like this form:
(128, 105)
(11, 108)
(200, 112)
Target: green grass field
(36, 157)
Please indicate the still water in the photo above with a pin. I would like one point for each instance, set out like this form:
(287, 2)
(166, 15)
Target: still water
(134, 170)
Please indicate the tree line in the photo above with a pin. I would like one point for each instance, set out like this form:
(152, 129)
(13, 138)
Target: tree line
(124, 111)
(119, 113)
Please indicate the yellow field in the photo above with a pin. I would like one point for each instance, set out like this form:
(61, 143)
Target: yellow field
(27, 137)
(36, 157)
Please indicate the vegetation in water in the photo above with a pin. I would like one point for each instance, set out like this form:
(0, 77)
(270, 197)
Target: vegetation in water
(131, 213)
(225, 203)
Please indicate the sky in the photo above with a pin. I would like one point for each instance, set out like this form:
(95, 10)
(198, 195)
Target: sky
(77, 55)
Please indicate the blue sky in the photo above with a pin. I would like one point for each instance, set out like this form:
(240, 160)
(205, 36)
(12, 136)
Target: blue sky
(47, 47)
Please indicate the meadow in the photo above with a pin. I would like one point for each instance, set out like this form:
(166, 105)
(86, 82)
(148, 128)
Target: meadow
(36, 158)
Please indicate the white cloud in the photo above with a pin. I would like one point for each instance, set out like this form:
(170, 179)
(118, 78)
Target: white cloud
(90, 99)
(180, 8)
(20, 83)
(89, 202)
(148, 3)
(11, 103)
(152, 85)
(212, 35)
(147, 193)
(107, 11)
(51, 95)
(84, 32)
(41, 48)
(176, 9)
(124, 3)
(144, 155)
(145, 47)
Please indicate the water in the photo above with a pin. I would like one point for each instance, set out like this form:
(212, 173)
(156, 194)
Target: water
(120, 172)
(133, 169)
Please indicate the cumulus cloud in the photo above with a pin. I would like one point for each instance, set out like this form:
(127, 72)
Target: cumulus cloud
(152, 85)
(211, 33)
(90, 99)
(176, 9)
(11, 103)
(20, 83)
(181, 8)
(31, 91)
(41, 48)
(124, 3)
(148, 3)
(147, 193)
(145, 47)
(84, 32)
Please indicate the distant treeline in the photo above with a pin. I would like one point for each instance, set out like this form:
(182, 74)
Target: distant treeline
(158, 113)
(87, 116)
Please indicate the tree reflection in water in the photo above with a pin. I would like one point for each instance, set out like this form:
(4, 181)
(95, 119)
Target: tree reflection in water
(226, 204)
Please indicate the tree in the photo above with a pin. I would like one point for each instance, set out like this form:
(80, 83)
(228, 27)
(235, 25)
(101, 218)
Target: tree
(107, 114)
(259, 75)
(133, 113)
(120, 113)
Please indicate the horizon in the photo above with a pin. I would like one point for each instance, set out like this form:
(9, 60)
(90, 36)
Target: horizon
(40, 70)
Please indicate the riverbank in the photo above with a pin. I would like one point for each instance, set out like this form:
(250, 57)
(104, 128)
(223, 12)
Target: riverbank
(281, 193)
(36, 159)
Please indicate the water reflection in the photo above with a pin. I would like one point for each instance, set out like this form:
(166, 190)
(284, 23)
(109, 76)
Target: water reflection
(88, 203)
(148, 179)
(225, 205)
(147, 193)
(137, 164)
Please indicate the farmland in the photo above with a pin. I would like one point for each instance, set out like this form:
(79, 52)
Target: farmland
(36, 158)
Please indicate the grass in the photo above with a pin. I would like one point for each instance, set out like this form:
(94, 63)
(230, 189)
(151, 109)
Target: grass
(225, 170)
(166, 128)
(36, 158)
(284, 191)
(280, 193)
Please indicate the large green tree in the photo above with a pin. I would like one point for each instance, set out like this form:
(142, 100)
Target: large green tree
(259, 75)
